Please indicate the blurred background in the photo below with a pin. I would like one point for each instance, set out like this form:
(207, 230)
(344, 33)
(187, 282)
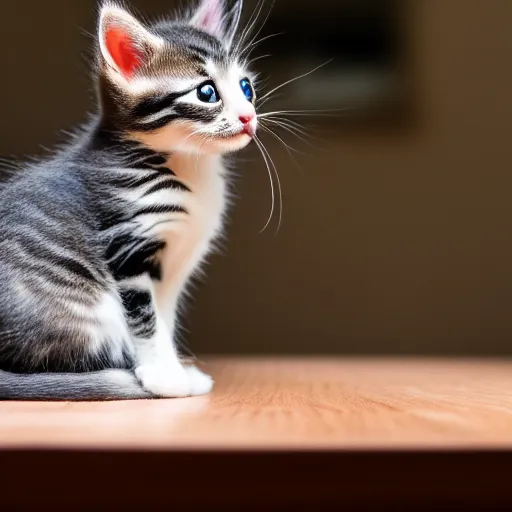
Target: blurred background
(396, 233)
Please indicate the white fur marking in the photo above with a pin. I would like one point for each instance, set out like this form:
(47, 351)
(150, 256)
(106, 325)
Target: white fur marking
(111, 328)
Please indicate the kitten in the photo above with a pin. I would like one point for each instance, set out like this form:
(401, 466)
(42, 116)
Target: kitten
(98, 243)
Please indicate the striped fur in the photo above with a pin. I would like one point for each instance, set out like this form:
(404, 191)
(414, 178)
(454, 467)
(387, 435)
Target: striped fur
(98, 243)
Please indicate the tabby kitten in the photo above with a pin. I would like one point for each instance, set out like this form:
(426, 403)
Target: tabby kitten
(97, 244)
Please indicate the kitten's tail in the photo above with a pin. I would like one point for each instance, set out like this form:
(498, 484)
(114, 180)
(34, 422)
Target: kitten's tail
(102, 385)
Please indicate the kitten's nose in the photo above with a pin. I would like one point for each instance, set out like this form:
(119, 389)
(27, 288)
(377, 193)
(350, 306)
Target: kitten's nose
(247, 122)
(246, 119)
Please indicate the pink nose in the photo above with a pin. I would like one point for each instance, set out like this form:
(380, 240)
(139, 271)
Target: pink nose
(246, 119)
(248, 127)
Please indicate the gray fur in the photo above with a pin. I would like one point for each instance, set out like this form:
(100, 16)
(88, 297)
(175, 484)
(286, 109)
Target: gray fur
(104, 385)
(69, 237)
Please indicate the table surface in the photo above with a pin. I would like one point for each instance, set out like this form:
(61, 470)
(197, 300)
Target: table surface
(292, 403)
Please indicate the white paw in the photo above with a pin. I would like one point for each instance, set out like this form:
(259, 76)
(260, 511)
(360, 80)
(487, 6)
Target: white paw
(200, 383)
(163, 381)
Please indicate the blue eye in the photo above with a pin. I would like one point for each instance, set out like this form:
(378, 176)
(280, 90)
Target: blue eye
(247, 89)
(208, 93)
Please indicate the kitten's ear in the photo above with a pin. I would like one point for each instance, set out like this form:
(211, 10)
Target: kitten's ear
(124, 42)
(213, 17)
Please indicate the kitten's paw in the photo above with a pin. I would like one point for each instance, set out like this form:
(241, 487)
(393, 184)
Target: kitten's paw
(163, 381)
(200, 383)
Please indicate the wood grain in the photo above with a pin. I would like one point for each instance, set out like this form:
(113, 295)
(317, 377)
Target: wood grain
(298, 403)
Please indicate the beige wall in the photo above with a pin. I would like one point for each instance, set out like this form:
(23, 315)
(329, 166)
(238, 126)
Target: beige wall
(390, 242)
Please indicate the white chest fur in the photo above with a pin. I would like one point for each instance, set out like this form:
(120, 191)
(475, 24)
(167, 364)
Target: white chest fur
(189, 239)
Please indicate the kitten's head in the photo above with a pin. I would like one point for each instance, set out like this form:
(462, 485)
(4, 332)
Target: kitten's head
(176, 85)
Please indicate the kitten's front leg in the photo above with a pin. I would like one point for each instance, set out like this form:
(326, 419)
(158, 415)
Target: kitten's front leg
(158, 367)
(157, 363)
(200, 382)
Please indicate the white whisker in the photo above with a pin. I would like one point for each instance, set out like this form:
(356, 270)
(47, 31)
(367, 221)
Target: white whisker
(251, 46)
(258, 144)
(236, 22)
(270, 98)
(295, 79)
(304, 112)
(286, 121)
(292, 129)
(296, 132)
(288, 148)
(250, 25)
(278, 185)
(249, 62)
(252, 42)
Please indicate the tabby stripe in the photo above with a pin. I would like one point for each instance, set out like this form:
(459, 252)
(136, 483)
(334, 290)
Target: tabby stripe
(154, 270)
(69, 263)
(152, 105)
(120, 217)
(71, 291)
(139, 311)
(166, 184)
(180, 111)
(199, 70)
(149, 126)
(203, 52)
(110, 219)
(195, 113)
(53, 274)
(121, 247)
(141, 156)
(155, 160)
(157, 209)
(149, 106)
(119, 242)
(166, 170)
(134, 256)
(130, 182)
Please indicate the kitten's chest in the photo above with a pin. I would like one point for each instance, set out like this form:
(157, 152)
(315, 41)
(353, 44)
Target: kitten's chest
(189, 239)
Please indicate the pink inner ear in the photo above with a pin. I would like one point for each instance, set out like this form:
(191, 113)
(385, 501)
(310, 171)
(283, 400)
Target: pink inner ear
(122, 49)
(209, 17)
(208, 20)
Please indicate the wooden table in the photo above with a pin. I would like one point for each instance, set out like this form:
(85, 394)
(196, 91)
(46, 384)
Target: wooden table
(276, 432)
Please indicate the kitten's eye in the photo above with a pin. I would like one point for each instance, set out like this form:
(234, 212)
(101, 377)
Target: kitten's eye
(247, 89)
(208, 93)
